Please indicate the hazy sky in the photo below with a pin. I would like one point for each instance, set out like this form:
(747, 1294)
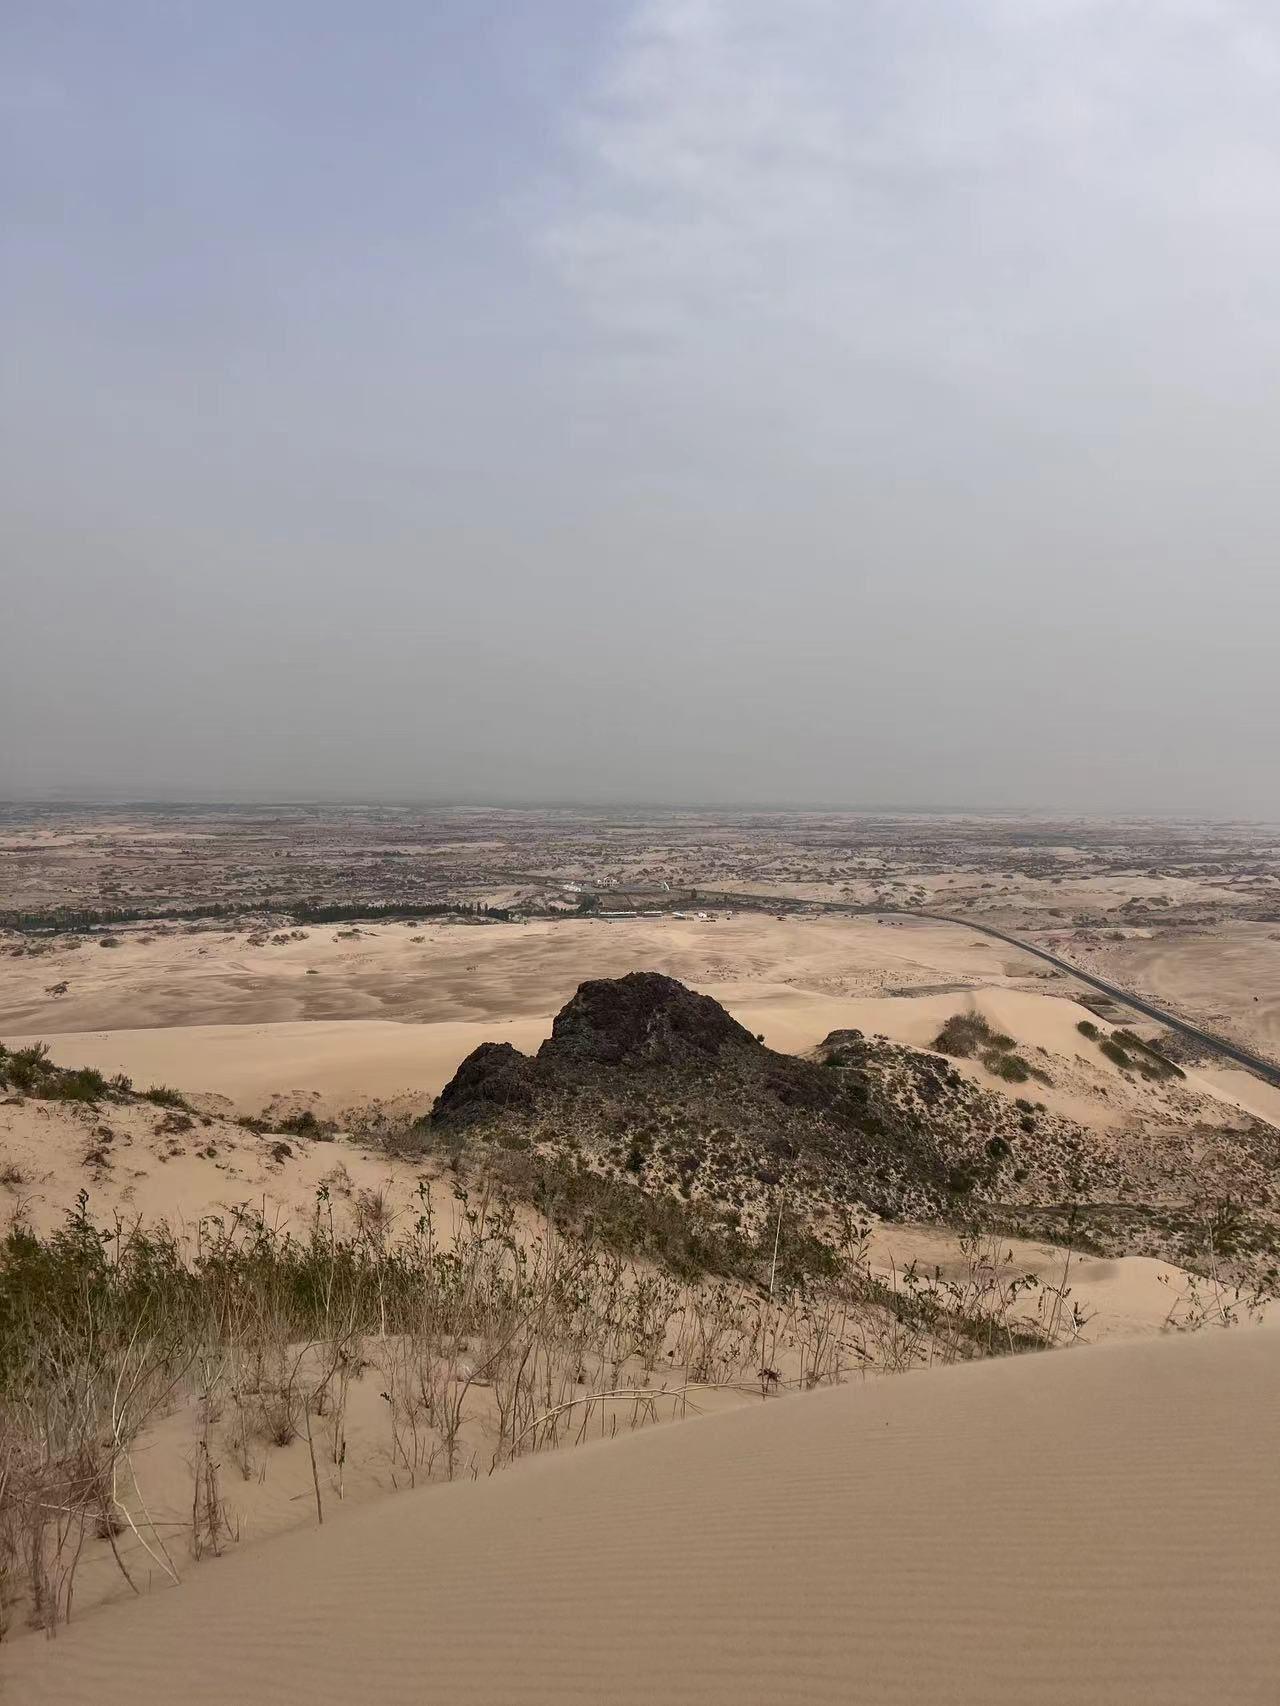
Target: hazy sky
(698, 400)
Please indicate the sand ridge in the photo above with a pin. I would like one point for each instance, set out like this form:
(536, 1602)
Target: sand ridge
(347, 1061)
(389, 1010)
(1096, 1525)
(465, 972)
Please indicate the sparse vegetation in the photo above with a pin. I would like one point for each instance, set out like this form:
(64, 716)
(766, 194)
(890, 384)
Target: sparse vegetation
(1115, 1054)
(30, 1072)
(63, 918)
(1128, 1051)
(487, 1345)
(1150, 1062)
(968, 1034)
(164, 1097)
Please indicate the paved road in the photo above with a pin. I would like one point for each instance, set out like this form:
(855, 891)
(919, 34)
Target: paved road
(1219, 1045)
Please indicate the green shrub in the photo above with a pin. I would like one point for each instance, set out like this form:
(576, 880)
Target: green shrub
(965, 1033)
(83, 1084)
(1007, 1066)
(1128, 1051)
(164, 1097)
(1150, 1062)
(303, 1124)
(30, 1072)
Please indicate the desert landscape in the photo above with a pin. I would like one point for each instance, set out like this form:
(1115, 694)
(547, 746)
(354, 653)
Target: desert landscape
(577, 1141)
(640, 854)
(747, 1572)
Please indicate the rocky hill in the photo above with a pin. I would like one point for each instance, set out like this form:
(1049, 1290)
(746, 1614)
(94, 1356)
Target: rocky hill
(650, 1079)
(655, 1081)
(643, 1079)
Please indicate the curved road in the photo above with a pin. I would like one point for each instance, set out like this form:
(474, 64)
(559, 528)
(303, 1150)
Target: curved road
(1219, 1045)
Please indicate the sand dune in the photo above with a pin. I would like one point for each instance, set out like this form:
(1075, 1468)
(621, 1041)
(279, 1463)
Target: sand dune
(352, 1060)
(345, 1060)
(1098, 1525)
(466, 973)
(391, 1011)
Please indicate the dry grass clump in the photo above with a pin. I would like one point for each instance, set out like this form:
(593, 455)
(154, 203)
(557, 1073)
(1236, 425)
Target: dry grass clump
(504, 1337)
(164, 1097)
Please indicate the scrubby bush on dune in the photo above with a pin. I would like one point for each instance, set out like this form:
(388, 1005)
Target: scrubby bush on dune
(1115, 1054)
(485, 1344)
(1125, 1049)
(967, 1034)
(964, 1034)
(1150, 1062)
(1007, 1066)
(305, 1124)
(30, 1072)
(164, 1097)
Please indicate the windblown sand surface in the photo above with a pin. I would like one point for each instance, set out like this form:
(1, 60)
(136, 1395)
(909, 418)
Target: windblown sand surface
(345, 1061)
(1097, 1525)
(472, 973)
(1229, 979)
(354, 1060)
(391, 1011)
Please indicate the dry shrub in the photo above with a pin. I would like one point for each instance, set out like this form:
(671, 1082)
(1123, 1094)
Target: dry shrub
(501, 1338)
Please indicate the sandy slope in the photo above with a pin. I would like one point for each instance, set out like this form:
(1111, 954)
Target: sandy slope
(390, 1010)
(1120, 1296)
(464, 972)
(1098, 1525)
(351, 1060)
(346, 1060)
(151, 1171)
(147, 1171)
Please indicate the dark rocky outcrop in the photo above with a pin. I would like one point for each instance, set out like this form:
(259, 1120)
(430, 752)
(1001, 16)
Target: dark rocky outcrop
(643, 1019)
(645, 1082)
(494, 1079)
(645, 1076)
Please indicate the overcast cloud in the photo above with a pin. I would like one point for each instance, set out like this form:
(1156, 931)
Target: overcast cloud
(696, 400)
